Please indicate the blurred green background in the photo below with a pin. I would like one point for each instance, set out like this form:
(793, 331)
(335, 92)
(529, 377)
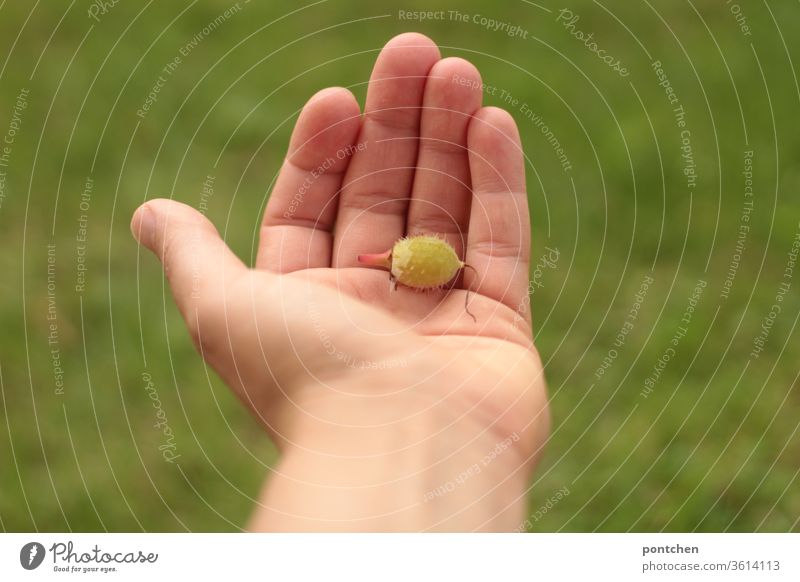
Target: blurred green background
(714, 446)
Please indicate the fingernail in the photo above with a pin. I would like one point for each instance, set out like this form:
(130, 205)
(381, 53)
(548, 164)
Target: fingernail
(143, 226)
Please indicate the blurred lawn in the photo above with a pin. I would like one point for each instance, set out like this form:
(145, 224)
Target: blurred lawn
(714, 447)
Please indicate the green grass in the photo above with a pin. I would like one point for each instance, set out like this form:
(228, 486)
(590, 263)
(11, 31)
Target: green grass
(713, 447)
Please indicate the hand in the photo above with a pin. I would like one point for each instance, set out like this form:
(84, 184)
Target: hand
(375, 397)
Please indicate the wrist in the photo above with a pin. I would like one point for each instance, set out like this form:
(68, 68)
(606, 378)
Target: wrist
(408, 460)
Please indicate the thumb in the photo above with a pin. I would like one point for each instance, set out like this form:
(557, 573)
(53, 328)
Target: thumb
(197, 262)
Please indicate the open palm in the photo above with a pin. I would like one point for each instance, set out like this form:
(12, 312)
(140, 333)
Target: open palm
(424, 157)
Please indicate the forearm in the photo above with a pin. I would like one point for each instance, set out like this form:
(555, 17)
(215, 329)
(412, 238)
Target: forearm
(427, 468)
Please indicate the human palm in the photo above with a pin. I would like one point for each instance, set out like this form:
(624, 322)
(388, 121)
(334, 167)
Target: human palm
(310, 325)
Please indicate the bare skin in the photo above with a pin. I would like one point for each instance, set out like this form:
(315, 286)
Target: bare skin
(393, 410)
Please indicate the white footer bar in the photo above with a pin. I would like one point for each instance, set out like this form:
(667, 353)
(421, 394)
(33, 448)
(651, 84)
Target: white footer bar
(401, 557)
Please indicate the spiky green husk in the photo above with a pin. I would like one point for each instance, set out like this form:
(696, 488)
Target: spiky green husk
(424, 262)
